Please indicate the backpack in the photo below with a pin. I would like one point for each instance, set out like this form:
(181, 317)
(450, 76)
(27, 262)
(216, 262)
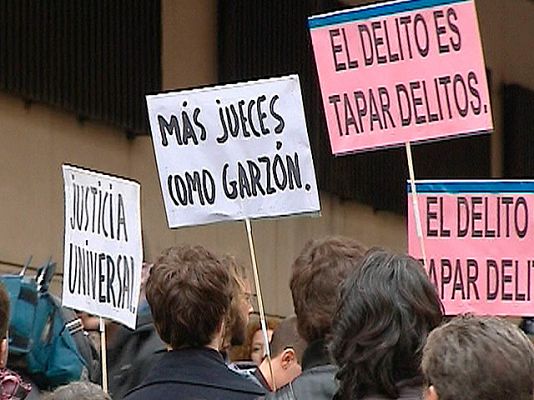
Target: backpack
(46, 342)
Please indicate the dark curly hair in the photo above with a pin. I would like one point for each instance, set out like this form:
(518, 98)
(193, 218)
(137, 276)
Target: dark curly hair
(386, 310)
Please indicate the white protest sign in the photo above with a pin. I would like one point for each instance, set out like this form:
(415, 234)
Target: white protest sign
(233, 152)
(103, 249)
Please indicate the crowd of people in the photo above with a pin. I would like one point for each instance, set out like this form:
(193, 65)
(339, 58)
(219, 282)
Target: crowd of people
(368, 325)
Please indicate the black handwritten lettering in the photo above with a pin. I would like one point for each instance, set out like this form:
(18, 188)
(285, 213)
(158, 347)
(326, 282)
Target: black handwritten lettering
(102, 277)
(281, 124)
(96, 210)
(336, 48)
(192, 187)
(451, 19)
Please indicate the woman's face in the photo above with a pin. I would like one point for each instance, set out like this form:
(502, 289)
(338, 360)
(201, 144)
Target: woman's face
(257, 347)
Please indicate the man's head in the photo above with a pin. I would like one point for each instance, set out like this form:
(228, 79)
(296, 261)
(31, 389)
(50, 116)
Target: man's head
(4, 325)
(481, 358)
(317, 274)
(386, 309)
(287, 347)
(189, 292)
(241, 307)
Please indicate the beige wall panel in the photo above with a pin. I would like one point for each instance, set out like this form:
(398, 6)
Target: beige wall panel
(34, 142)
(189, 43)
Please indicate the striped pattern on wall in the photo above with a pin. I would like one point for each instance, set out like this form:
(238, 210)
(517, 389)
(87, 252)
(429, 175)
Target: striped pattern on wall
(94, 58)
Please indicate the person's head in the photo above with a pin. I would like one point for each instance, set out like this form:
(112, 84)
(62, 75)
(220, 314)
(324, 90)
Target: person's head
(287, 347)
(316, 276)
(189, 293)
(386, 309)
(483, 358)
(241, 306)
(257, 342)
(4, 325)
(79, 390)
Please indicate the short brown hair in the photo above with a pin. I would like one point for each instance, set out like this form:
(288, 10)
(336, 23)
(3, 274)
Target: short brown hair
(385, 311)
(483, 358)
(287, 336)
(4, 312)
(317, 274)
(189, 293)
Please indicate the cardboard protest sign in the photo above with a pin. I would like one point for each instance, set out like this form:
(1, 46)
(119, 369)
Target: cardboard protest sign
(479, 244)
(103, 249)
(233, 152)
(401, 71)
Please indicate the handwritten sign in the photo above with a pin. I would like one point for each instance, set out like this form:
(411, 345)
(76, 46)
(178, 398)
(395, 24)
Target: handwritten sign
(401, 71)
(233, 152)
(479, 243)
(103, 249)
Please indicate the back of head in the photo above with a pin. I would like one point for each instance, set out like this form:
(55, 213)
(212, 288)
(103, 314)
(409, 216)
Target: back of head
(483, 358)
(386, 310)
(287, 336)
(78, 391)
(189, 293)
(317, 274)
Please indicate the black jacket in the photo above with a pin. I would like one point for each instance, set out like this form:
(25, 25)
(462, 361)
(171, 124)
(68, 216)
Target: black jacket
(194, 374)
(134, 353)
(317, 380)
(409, 389)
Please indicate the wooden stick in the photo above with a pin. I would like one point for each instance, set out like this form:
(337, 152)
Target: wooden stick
(103, 355)
(260, 299)
(417, 215)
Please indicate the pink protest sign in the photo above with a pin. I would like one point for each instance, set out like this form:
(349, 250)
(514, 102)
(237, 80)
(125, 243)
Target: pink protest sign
(401, 71)
(479, 244)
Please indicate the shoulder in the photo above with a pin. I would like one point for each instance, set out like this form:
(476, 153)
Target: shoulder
(194, 373)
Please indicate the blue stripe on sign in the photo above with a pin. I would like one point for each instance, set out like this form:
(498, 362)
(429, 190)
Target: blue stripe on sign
(375, 11)
(454, 187)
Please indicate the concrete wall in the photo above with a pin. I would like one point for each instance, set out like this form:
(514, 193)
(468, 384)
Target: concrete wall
(35, 141)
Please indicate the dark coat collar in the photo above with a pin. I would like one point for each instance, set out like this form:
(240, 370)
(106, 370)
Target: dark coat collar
(201, 367)
(315, 355)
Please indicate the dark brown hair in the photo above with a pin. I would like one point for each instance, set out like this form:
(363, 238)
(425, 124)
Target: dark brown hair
(189, 292)
(386, 310)
(483, 358)
(317, 274)
(287, 336)
(4, 312)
